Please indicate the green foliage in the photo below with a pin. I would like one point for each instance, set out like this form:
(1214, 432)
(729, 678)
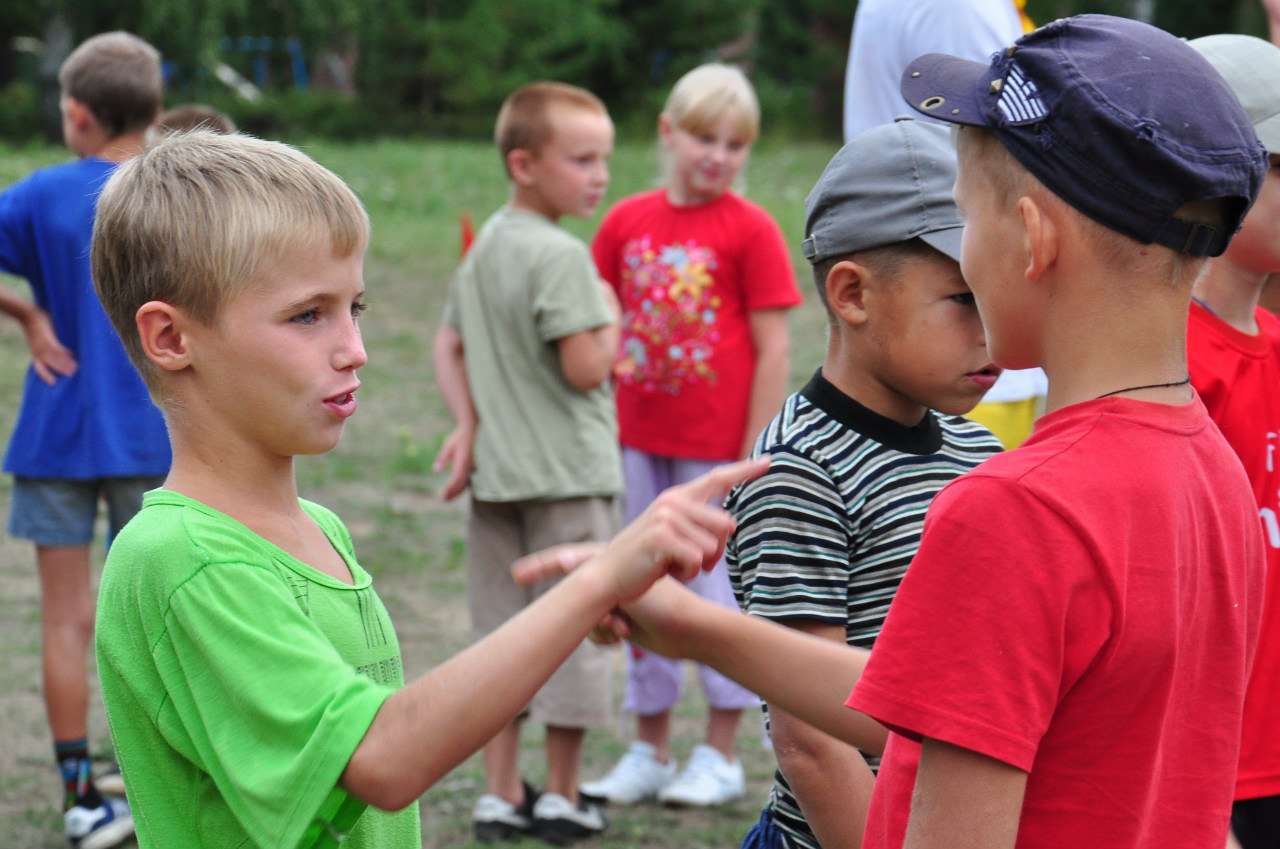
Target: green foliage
(19, 112)
(801, 57)
(441, 67)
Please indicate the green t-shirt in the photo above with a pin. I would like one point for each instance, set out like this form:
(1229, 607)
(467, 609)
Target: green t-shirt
(525, 284)
(238, 681)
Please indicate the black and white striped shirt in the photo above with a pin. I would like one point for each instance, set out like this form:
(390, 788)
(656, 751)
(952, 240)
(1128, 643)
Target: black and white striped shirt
(827, 533)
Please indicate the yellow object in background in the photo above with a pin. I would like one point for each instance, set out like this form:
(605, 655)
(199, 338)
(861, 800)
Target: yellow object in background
(1010, 421)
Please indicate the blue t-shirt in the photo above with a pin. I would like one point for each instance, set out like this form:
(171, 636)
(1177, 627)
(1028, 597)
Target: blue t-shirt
(100, 421)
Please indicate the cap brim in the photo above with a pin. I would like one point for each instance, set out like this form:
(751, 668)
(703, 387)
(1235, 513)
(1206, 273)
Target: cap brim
(947, 88)
(1269, 134)
(947, 241)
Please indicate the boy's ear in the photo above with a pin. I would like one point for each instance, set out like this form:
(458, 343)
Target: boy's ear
(1040, 237)
(846, 289)
(79, 116)
(518, 162)
(162, 331)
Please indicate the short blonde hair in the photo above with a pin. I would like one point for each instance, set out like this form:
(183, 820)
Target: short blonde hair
(524, 121)
(708, 94)
(199, 217)
(116, 76)
(1008, 180)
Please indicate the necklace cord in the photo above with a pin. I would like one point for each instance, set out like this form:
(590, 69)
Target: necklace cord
(1171, 383)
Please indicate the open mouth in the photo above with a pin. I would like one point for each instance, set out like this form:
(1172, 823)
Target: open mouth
(343, 405)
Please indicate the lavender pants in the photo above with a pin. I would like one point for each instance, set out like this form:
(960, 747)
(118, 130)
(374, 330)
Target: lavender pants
(654, 682)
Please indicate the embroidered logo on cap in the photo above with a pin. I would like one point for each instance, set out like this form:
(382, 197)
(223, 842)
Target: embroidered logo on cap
(1020, 99)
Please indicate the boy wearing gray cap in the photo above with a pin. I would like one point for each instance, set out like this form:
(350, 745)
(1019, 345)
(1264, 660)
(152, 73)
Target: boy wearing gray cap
(825, 536)
(1233, 348)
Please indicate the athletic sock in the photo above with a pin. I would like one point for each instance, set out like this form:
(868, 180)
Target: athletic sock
(77, 774)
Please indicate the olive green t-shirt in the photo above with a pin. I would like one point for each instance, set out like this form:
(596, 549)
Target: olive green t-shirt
(525, 284)
(238, 681)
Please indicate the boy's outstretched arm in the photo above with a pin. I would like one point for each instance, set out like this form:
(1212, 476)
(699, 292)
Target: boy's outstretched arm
(456, 453)
(433, 724)
(49, 357)
(807, 676)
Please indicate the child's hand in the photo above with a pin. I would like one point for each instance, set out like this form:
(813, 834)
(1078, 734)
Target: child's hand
(680, 533)
(456, 453)
(49, 357)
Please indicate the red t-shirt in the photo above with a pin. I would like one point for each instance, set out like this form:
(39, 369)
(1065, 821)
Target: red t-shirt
(1085, 609)
(687, 277)
(1238, 376)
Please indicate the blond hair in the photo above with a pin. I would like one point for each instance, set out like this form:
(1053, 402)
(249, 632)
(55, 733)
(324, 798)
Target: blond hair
(200, 216)
(1009, 180)
(710, 93)
(116, 76)
(524, 121)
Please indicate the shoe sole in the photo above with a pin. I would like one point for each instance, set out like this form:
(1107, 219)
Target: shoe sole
(493, 832)
(562, 833)
(113, 834)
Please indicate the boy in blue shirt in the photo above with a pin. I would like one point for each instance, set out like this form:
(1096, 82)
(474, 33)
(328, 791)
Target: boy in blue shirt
(86, 432)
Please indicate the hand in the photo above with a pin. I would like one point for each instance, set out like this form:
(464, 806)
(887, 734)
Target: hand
(456, 453)
(49, 357)
(680, 533)
(654, 620)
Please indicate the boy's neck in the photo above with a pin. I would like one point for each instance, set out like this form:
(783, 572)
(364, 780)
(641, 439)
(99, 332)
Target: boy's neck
(524, 201)
(246, 488)
(1107, 336)
(116, 149)
(1230, 292)
(841, 370)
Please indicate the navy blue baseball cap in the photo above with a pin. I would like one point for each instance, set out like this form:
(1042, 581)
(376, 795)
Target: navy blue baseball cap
(1120, 119)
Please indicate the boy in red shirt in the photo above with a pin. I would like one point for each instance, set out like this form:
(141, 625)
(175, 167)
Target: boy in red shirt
(1233, 348)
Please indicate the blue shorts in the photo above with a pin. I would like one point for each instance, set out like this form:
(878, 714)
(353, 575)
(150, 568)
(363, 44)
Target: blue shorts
(764, 834)
(54, 512)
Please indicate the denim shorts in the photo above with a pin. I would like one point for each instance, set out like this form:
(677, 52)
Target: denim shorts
(55, 512)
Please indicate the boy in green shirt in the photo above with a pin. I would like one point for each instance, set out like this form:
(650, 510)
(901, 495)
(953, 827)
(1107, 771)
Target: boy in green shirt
(252, 678)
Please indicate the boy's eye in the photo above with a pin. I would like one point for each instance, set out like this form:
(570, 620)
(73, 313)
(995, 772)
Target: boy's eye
(965, 298)
(358, 308)
(307, 316)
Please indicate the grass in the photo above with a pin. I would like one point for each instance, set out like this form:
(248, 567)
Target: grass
(380, 480)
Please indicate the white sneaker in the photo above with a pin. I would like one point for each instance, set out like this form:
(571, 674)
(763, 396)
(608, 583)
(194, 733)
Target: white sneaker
(636, 777)
(97, 828)
(708, 779)
(559, 821)
(494, 818)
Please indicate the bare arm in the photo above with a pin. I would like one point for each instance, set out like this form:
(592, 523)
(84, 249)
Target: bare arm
(49, 357)
(456, 453)
(430, 726)
(964, 800)
(771, 340)
(586, 358)
(830, 778)
(808, 677)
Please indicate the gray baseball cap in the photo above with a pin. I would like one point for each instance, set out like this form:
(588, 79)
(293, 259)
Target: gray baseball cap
(891, 184)
(1251, 67)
